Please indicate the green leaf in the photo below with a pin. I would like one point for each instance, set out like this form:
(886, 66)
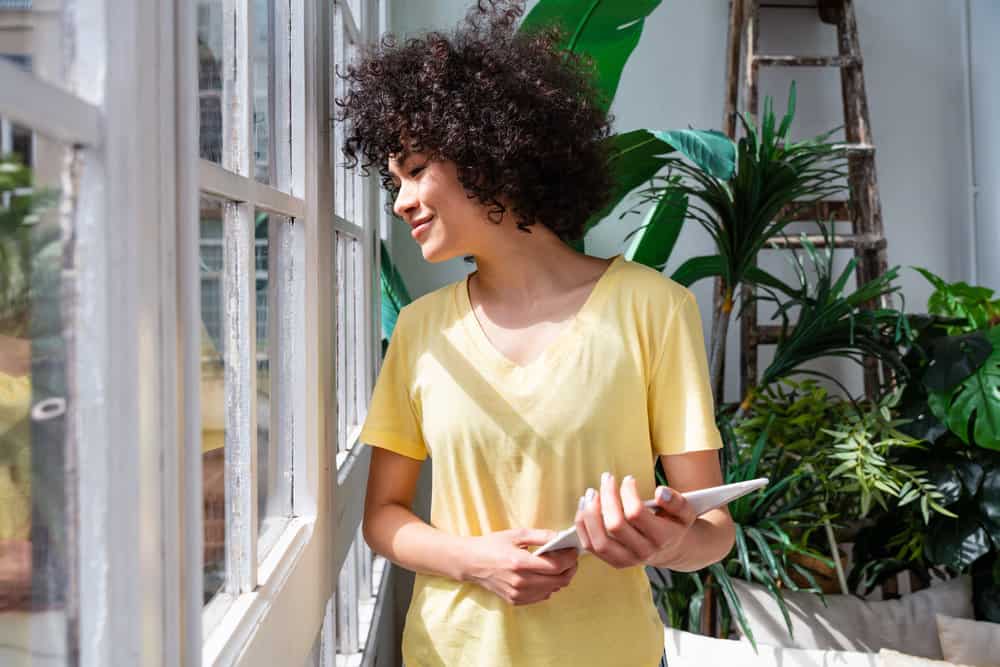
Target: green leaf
(394, 293)
(974, 405)
(955, 358)
(633, 159)
(971, 473)
(655, 240)
(605, 30)
(759, 276)
(697, 268)
(711, 150)
(989, 504)
(956, 542)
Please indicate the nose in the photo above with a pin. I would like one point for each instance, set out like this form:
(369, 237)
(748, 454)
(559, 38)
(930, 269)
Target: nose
(406, 201)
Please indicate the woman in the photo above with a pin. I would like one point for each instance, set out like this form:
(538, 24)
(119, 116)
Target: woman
(543, 375)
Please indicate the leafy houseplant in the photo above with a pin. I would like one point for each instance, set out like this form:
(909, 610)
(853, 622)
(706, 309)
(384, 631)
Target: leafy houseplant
(744, 210)
(950, 404)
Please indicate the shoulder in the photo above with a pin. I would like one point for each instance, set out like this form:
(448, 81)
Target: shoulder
(650, 291)
(430, 311)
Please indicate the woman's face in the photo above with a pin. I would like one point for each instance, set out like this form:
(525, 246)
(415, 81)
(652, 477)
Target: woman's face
(443, 220)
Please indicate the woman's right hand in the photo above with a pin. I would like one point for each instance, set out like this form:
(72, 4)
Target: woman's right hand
(499, 563)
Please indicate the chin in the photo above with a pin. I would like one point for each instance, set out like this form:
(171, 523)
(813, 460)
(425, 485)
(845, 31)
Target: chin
(436, 254)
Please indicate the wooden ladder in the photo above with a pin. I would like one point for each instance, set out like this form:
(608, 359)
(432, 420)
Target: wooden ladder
(863, 208)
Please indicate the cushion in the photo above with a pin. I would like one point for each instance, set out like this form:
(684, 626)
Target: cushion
(965, 640)
(853, 624)
(889, 658)
(685, 649)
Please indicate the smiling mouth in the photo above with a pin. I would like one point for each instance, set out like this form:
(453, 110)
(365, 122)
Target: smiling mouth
(423, 224)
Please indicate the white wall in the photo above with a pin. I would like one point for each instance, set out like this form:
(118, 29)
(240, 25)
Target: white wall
(915, 69)
(985, 54)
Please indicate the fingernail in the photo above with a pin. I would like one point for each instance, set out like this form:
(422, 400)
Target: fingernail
(589, 496)
(663, 493)
(604, 477)
(583, 502)
(627, 478)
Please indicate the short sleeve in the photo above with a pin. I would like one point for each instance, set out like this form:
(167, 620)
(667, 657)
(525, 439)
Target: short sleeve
(681, 407)
(392, 422)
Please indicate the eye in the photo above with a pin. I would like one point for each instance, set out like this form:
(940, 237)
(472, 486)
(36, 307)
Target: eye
(417, 170)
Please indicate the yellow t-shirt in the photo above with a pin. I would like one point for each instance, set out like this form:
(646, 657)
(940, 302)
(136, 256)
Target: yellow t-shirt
(515, 446)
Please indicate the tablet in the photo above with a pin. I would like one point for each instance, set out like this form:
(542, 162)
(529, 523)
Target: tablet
(701, 501)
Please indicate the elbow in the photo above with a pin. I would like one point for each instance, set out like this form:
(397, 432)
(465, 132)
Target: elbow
(728, 530)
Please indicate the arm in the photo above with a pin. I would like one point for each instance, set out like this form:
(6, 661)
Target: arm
(711, 536)
(391, 528)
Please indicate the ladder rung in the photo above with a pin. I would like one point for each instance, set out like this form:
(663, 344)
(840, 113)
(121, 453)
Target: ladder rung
(863, 241)
(808, 61)
(784, 5)
(768, 333)
(823, 210)
(857, 149)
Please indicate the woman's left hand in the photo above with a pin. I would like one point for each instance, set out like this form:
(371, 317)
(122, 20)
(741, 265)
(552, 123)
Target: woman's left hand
(619, 530)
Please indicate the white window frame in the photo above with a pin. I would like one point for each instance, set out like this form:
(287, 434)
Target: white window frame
(129, 113)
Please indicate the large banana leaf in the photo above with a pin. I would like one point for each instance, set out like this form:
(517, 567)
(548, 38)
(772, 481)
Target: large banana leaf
(633, 158)
(973, 407)
(605, 30)
(655, 239)
(711, 150)
(394, 293)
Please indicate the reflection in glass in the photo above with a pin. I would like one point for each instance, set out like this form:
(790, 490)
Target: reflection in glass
(213, 428)
(266, 463)
(210, 134)
(262, 71)
(34, 525)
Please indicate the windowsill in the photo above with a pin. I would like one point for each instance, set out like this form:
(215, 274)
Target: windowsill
(229, 620)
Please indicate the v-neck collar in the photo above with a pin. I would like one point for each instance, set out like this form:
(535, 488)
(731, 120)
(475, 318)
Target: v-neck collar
(500, 361)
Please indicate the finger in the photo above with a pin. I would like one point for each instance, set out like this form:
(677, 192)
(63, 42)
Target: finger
(526, 537)
(674, 506)
(617, 524)
(602, 544)
(581, 526)
(649, 524)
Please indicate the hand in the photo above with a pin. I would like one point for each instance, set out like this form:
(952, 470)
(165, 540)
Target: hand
(619, 530)
(499, 563)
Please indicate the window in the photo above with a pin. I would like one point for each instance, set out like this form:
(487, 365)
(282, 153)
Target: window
(188, 330)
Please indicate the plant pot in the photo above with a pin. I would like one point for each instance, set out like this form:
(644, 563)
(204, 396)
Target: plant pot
(826, 576)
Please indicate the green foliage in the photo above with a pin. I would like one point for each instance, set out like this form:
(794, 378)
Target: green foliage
(394, 293)
(772, 175)
(831, 323)
(772, 525)
(654, 241)
(863, 450)
(606, 31)
(633, 159)
(710, 150)
(22, 243)
(960, 300)
(972, 408)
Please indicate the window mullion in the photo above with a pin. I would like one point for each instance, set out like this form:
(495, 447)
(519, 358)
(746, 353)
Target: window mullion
(237, 93)
(283, 331)
(240, 332)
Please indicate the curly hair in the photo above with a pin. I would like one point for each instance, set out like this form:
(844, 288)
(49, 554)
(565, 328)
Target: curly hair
(521, 119)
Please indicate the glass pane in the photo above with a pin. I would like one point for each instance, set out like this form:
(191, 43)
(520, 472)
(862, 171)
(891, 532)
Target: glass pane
(213, 417)
(210, 13)
(34, 36)
(35, 502)
(266, 463)
(263, 57)
(337, 91)
(273, 264)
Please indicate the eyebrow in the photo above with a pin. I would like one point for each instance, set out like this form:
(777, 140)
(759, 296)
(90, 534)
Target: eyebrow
(400, 160)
